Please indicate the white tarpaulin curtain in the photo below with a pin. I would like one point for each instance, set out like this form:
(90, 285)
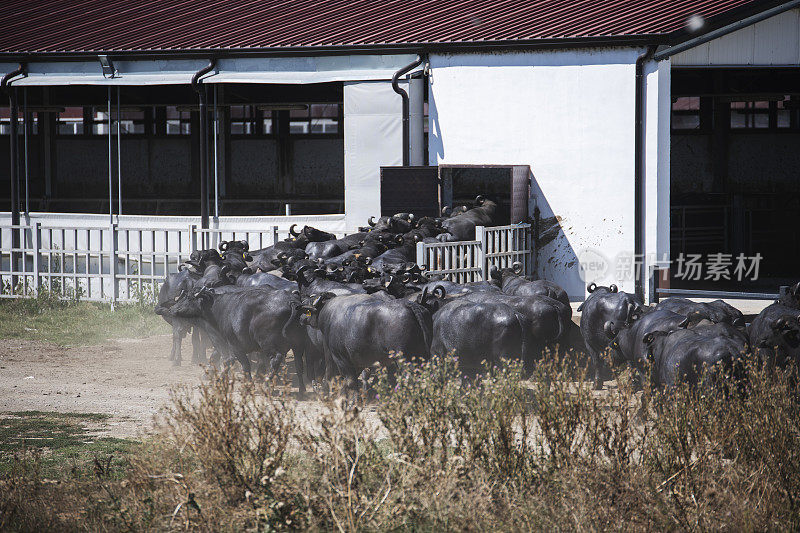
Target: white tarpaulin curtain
(286, 70)
(373, 137)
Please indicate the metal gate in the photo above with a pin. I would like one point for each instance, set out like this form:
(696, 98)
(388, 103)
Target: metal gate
(466, 261)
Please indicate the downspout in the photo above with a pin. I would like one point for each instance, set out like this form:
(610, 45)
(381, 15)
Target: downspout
(14, 148)
(638, 176)
(404, 95)
(201, 93)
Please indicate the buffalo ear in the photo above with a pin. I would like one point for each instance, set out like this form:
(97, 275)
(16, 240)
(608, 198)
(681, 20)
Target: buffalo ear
(610, 330)
(591, 288)
(652, 336)
(613, 288)
(795, 290)
(517, 267)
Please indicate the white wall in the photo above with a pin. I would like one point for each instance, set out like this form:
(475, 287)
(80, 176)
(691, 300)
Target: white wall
(569, 114)
(774, 41)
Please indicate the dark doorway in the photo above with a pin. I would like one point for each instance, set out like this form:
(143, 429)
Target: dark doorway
(735, 176)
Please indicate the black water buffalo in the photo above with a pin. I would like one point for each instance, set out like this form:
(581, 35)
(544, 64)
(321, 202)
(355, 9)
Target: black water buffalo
(360, 330)
(461, 227)
(264, 279)
(627, 342)
(546, 321)
(605, 305)
(273, 256)
(685, 354)
(174, 285)
(477, 332)
(511, 282)
(245, 320)
(791, 297)
(312, 281)
(775, 334)
(455, 290)
(716, 311)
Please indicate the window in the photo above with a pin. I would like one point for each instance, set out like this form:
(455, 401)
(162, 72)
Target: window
(750, 114)
(178, 121)
(250, 120)
(70, 121)
(131, 121)
(315, 119)
(5, 122)
(787, 112)
(686, 113)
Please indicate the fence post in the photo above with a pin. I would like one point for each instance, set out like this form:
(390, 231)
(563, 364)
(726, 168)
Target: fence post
(274, 235)
(35, 245)
(112, 263)
(192, 237)
(421, 254)
(480, 235)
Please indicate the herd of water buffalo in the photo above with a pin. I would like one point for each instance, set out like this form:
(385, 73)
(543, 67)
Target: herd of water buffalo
(344, 305)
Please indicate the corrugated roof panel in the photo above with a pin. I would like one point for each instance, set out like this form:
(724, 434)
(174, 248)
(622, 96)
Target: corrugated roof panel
(145, 25)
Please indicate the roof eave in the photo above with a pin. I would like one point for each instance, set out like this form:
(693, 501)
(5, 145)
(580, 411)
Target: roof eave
(391, 48)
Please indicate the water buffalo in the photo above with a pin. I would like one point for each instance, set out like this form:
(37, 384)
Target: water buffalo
(791, 298)
(605, 305)
(476, 332)
(461, 227)
(685, 354)
(775, 334)
(265, 279)
(716, 311)
(174, 285)
(360, 330)
(245, 320)
(627, 342)
(511, 282)
(546, 321)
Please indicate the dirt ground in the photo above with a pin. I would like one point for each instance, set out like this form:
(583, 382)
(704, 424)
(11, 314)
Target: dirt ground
(129, 379)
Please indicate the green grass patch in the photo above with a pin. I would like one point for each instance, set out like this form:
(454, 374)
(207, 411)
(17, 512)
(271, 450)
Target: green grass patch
(64, 445)
(75, 322)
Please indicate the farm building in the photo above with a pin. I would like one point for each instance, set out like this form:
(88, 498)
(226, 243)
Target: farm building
(650, 131)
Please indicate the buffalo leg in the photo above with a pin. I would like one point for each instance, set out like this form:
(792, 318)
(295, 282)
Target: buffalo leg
(175, 354)
(200, 344)
(244, 360)
(597, 362)
(300, 370)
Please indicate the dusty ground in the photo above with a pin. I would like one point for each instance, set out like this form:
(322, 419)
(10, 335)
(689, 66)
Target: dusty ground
(129, 379)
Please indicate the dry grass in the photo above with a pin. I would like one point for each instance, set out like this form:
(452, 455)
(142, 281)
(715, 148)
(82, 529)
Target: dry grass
(499, 452)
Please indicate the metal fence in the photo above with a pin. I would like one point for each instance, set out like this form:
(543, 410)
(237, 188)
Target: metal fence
(124, 264)
(466, 261)
(103, 263)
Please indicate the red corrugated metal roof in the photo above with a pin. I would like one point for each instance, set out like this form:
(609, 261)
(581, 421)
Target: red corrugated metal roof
(146, 25)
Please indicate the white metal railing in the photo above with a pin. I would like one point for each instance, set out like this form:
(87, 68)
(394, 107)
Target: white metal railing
(104, 263)
(466, 261)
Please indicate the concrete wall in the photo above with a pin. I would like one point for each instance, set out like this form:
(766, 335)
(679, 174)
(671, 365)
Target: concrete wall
(570, 116)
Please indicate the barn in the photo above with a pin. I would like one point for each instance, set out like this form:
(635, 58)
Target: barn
(659, 141)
